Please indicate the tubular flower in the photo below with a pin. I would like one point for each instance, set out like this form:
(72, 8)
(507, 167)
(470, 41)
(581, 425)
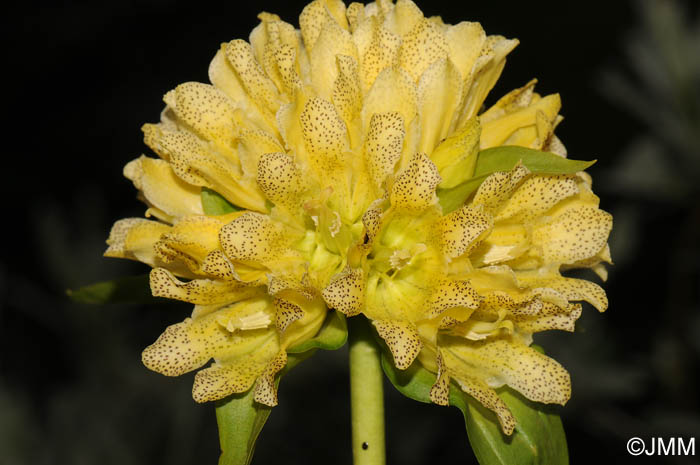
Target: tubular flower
(336, 142)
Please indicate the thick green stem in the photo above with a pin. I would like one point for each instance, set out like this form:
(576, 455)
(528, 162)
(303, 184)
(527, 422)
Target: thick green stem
(366, 395)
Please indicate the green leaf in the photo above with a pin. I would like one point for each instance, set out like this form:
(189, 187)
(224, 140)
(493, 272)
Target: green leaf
(241, 419)
(130, 289)
(331, 336)
(504, 158)
(538, 438)
(214, 204)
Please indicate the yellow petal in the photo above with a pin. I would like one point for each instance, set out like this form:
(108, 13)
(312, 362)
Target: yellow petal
(253, 144)
(456, 156)
(574, 234)
(315, 15)
(381, 53)
(479, 390)
(450, 294)
(208, 111)
(550, 317)
(256, 83)
(513, 101)
(437, 88)
(191, 239)
(421, 47)
(200, 166)
(404, 17)
(414, 188)
(465, 41)
(384, 145)
(280, 179)
(224, 77)
(186, 346)
(346, 292)
(235, 374)
(535, 196)
(392, 91)
(570, 288)
(402, 339)
(332, 41)
(265, 389)
(162, 188)
(251, 237)
(503, 361)
(196, 291)
(134, 238)
(216, 264)
(500, 130)
(463, 229)
(484, 74)
(347, 94)
(499, 186)
(325, 135)
(440, 390)
(287, 313)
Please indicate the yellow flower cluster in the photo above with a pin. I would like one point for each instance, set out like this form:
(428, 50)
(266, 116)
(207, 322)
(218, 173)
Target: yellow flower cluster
(334, 140)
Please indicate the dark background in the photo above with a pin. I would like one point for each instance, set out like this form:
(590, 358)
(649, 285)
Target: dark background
(85, 76)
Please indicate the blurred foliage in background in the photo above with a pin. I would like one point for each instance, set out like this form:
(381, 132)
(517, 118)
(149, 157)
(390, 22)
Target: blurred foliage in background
(72, 387)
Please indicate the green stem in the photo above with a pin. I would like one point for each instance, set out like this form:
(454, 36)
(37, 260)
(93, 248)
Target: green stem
(366, 395)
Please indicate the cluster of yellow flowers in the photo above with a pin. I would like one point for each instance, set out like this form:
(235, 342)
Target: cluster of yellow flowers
(334, 141)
